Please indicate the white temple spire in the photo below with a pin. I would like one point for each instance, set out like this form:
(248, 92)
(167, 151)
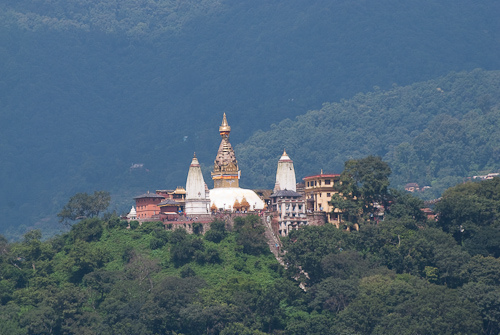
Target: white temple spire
(196, 197)
(285, 174)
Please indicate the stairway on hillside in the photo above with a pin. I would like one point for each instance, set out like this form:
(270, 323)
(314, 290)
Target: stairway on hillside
(272, 241)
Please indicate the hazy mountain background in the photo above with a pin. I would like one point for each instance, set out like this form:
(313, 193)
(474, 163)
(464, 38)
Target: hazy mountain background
(88, 88)
(435, 133)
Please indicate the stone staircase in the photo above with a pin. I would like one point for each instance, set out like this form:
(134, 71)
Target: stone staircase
(273, 241)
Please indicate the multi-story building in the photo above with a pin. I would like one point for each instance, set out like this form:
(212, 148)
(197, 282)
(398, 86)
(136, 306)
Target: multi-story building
(150, 205)
(146, 205)
(318, 191)
(290, 210)
(287, 205)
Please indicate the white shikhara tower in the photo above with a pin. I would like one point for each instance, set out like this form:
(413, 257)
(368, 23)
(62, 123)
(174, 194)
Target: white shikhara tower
(197, 200)
(285, 174)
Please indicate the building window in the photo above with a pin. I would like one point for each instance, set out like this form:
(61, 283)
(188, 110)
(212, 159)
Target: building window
(327, 181)
(328, 195)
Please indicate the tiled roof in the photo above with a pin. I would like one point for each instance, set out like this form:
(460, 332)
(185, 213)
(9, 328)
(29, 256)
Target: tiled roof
(285, 193)
(149, 195)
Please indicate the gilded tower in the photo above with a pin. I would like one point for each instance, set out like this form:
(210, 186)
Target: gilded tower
(226, 172)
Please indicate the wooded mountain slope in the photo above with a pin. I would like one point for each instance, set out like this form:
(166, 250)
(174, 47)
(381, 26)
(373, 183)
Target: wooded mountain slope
(89, 87)
(403, 275)
(433, 133)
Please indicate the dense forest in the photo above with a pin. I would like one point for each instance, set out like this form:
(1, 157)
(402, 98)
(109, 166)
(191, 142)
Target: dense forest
(404, 275)
(435, 133)
(89, 88)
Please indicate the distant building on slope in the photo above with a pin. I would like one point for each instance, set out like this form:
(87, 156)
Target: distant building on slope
(147, 205)
(412, 187)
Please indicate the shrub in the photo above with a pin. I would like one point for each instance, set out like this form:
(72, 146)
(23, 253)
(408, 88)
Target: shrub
(217, 231)
(134, 224)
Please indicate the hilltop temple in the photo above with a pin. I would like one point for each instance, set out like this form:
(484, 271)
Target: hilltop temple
(287, 207)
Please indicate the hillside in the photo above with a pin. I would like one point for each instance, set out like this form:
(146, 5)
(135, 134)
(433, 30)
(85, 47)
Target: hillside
(432, 133)
(404, 275)
(87, 88)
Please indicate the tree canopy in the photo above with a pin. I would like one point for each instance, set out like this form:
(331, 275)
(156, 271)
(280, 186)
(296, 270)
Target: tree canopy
(403, 275)
(71, 69)
(364, 184)
(83, 205)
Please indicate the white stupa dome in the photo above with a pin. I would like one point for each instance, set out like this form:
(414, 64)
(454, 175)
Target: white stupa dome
(225, 197)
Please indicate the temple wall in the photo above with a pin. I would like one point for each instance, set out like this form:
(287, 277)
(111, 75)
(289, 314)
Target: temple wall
(316, 218)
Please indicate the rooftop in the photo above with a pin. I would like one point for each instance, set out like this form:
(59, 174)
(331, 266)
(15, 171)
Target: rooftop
(322, 175)
(149, 195)
(285, 193)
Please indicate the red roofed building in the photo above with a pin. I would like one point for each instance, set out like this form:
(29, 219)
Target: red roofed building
(146, 205)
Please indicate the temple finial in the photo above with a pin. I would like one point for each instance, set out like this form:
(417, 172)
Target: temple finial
(224, 128)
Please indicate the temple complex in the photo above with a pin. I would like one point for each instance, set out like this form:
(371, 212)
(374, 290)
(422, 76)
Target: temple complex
(286, 207)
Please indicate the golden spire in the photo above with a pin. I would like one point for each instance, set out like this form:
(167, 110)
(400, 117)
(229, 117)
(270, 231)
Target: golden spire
(226, 172)
(224, 128)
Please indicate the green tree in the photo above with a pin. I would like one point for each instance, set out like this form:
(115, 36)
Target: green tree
(363, 184)
(470, 212)
(250, 234)
(306, 248)
(407, 305)
(217, 231)
(161, 311)
(83, 205)
(88, 230)
(487, 299)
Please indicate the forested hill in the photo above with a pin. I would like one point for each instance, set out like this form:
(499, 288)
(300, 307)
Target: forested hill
(433, 133)
(404, 275)
(87, 88)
